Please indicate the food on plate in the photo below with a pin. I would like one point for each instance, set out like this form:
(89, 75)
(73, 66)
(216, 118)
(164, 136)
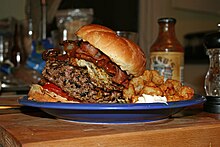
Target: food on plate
(102, 67)
(154, 85)
(94, 69)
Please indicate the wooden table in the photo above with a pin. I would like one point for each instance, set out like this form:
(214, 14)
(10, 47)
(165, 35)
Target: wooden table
(30, 127)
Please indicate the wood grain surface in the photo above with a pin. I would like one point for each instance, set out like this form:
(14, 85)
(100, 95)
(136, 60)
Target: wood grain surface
(32, 127)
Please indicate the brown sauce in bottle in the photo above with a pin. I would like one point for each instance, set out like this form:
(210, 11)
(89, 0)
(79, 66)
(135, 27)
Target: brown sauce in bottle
(166, 53)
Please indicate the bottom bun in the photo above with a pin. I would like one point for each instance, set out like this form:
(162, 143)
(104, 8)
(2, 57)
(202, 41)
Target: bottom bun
(38, 93)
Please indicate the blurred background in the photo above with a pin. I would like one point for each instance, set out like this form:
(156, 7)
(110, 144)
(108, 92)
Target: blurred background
(43, 24)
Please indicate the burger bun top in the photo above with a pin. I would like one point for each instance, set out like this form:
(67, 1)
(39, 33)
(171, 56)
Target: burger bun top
(125, 53)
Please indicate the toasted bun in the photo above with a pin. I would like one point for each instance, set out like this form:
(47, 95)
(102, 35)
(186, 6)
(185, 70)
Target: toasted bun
(37, 93)
(126, 54)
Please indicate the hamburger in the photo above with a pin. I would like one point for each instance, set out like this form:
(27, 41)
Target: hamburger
(96, 68)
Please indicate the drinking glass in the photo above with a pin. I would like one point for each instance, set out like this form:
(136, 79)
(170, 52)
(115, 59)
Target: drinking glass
(133, 36)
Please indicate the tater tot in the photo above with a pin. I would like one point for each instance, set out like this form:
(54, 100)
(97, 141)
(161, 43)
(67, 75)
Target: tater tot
(147, 76)
(152, 91)
(129, 92)
(175, 84)
(152, 83)
(156, 78)
(186, 92)
(138, 84)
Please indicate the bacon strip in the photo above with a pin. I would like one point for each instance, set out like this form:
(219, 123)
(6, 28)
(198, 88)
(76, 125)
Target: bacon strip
(84, 50)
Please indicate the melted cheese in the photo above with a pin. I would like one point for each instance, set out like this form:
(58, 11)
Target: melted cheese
(98, 75)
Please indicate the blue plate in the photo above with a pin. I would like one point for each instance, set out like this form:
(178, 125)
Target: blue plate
(112, 113)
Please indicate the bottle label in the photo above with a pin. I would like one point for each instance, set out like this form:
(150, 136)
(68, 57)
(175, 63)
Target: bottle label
(168, 64)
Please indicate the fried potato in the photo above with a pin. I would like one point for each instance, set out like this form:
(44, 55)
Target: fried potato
(147, 76)
(151, 91)
(152, 83)
(171, 98)
(129, 92)
(156, 78)
(186, 92)
(138, 84)
(174, 83)
(134, 99)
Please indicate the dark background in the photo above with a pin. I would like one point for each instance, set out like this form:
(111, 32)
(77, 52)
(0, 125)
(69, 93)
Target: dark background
(116, 14)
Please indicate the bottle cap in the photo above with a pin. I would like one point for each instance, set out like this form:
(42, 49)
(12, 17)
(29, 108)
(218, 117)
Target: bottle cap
(166, 20)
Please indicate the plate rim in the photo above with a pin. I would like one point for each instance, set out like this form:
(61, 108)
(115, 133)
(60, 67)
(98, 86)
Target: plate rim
(197, 99)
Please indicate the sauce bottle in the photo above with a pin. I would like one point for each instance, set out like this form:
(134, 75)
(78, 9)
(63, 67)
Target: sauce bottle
(166, 53)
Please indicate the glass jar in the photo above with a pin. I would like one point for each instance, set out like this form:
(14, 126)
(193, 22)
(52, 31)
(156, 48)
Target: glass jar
(69, 21)
(212, 78)
(166, 53)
